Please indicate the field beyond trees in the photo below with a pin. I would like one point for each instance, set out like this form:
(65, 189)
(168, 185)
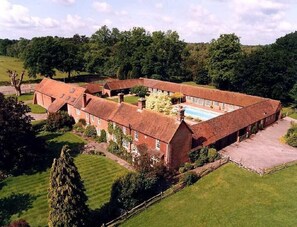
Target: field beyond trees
(25, 196)
(230, 196)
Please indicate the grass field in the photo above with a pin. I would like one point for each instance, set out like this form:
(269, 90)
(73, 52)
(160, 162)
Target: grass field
(23, 97)
(37, 109)
(230, 196)
(289, 111)
(198, 85)
(16, 64)
(26, 196)
(129, 99)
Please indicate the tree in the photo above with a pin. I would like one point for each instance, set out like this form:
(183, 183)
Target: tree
(197, 62)
(67, 199)
(293, 94)
(70, 57)
(157, 101)
(42, 56)
(224, 55)
(16, 135)
(15, 81)
(19, 223)
(140, 90)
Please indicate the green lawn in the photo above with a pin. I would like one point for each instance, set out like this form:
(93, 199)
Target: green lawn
(230, 196)
(17, 64)
(37, 109)
(198, 85)
(26, 196)
(289, 111)
(129, 99)
(23, 97)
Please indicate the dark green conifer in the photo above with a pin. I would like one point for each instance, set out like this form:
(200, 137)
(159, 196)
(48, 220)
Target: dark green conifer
(67, 199)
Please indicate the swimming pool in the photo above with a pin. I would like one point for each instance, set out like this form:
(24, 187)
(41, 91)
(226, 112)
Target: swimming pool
(200, 113)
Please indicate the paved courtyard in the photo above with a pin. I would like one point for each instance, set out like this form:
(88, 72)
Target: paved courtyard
(263, 150)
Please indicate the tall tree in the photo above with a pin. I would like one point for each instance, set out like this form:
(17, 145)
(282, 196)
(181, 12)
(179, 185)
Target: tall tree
(42, 56)
(16, 135)
(67, 199)
(293, 94)
(224, 55)
(70, 57)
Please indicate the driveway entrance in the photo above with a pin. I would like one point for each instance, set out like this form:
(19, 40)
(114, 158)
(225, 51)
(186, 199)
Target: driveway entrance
(263, 150)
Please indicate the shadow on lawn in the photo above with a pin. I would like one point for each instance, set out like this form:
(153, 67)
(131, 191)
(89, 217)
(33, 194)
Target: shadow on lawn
(2, 184)
(52, 149)
(14, 204)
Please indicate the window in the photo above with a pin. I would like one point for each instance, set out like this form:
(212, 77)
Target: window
(98, 131)
(136, 135)
(125, 143)
(77, 111)
(92, 118)
(99, 121)
(157, 144)
(87, 117)
(124, 130)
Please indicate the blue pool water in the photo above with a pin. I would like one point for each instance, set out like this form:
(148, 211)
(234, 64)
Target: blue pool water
(200, 113)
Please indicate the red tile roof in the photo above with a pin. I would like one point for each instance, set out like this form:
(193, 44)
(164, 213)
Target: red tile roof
(228, 97)
(69, 93)
(98, 107)
(210, 131)
(150, 123)
(122, 84)
(93, 88)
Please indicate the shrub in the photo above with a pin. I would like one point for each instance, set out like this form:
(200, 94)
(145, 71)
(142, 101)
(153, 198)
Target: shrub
(199, 163)
(102, 138)
(90, 131)
(82, 121)
(182, 169)
(292, 140)
(59, 120)
(79, 127)
(113, 147)
(291, 136)
(212, 154)
(188, 166)
(19, 223)
(189, 178)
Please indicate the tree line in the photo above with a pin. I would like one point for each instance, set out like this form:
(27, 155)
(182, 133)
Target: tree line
(268, 71)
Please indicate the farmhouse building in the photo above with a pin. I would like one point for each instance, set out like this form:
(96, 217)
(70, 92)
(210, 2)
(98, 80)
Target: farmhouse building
(167, 138)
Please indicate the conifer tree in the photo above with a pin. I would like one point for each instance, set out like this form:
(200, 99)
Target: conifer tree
(67, 199)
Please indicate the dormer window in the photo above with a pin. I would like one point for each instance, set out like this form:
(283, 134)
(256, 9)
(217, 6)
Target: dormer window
(158, 144)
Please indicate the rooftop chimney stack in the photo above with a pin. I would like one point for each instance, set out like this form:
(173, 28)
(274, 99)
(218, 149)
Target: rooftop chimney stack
(121, 97)
(141, 103)
(84, 100)
(180, 114)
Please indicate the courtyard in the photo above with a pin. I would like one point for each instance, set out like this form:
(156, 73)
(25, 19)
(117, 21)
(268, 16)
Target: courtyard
(264, 150)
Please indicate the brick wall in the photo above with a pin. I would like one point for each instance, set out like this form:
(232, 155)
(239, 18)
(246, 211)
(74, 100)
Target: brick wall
(179, 147)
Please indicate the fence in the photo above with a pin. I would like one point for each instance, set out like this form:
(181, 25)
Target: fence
(162, 195)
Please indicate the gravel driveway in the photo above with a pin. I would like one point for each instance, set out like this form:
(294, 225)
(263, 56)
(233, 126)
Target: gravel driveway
(263, 150)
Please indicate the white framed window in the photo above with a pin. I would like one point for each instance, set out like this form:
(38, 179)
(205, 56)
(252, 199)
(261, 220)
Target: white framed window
(98, 131)
(158, 144)
(77, 111)
(92, 118)
(125, 144)
(87, 117)
(124, 130)
(99, 121)
(136, 135)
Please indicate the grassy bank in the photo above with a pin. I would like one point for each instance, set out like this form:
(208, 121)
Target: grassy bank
(230, 196)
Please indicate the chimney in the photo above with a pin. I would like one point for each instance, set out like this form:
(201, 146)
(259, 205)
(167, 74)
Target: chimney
(180, 113)
(121, 97)
(141, 103)
(84, 100)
